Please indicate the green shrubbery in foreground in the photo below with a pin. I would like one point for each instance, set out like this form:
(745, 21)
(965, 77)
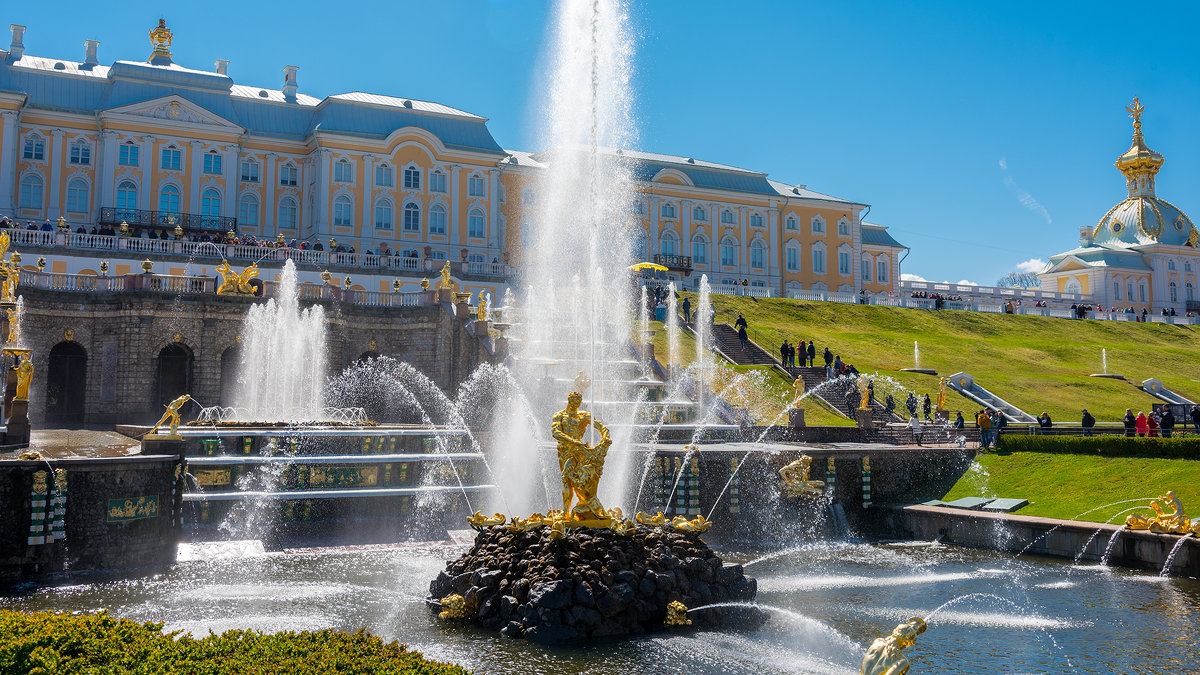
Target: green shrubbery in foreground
(62, 644)
(1187, 447)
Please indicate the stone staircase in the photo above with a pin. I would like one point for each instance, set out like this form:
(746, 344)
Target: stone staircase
(725, 338)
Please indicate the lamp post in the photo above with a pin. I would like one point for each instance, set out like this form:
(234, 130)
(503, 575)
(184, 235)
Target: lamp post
(62, 224)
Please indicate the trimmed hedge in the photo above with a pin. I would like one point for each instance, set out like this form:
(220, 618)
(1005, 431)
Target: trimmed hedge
(63, 644)
(1107, 446)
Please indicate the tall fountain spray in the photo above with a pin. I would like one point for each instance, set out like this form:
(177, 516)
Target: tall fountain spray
(283, 359)
(644, 331)
(1104, 360)
(916, 356)
(703, 325)
(672, 331)
(585, 230)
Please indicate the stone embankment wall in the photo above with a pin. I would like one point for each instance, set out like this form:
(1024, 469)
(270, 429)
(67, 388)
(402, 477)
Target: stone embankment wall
(119, 513)
(1058, 538)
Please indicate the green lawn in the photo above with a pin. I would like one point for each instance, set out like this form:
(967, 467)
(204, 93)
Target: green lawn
(1063, 486)
(1036, 363)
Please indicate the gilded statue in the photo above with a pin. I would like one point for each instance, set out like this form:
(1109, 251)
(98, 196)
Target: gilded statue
(657, 520)
(941, 399)
(697, 525)
(444, 281)
(24, 377)
(235, 283)
(864, 394)
(799, 388)
(14, 326)
(795, 479)
(1175, 522)
(171, 416)
(677, 614)
(581, 464)
(483, 307)
(454, 607)
(884, 657)
(479, 521)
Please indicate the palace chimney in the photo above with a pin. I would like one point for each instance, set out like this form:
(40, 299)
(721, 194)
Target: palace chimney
(1085, 237)
(289, 83)
(17, 49)
(89, 56)
(222, 66)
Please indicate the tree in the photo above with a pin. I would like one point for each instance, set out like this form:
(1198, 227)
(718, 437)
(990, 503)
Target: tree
(1018, 280)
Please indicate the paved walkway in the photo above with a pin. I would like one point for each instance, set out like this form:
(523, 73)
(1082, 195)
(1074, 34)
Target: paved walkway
(79, 443)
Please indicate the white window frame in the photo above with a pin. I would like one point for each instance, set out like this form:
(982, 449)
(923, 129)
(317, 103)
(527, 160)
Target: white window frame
(166, 195)
(437, 219)
(34, 148)
(411, 217)
(32, 192)
(818, 225)
(288, 214)
(756, 220)
(476, 186)
(476, 224)
(127, 196)
(78, 195)
(384, 215)
(171, 159)
(127, 154)
(248, 210)
(343, 171)
(437, 182)
(249, 170)
(212, 163)
(412, 178)
(210, 203)
(699, 214)
(289, 175)
(343, 211)
(758, 249)
(81, 153)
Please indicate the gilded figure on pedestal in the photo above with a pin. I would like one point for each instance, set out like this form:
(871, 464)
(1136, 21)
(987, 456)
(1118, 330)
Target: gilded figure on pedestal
(581, 464)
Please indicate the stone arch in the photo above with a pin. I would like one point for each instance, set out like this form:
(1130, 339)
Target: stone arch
(66, 384)
(173, 374)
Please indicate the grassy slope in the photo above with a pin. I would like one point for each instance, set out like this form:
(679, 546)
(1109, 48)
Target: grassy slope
(817, 413)
(1036, 363)
(1063, 486)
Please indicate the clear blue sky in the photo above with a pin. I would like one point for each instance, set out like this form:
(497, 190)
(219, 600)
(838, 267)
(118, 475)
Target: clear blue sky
(914, 108)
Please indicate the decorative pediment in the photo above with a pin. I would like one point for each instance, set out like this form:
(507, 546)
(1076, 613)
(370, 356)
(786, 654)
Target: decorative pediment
(672, 177)
(1068, 264)
(176, 109)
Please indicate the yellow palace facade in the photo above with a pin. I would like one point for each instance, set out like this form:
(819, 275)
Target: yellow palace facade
(168, 149)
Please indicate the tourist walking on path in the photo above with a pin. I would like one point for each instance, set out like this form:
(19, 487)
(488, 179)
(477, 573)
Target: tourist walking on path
(926, 406)
(999, 422)
(837, 365)
(741, 322)
(783, 353)
(1087, 422)
(959, 422)
(687, 310)
(1196, 418)
(889, 406)
(910, 404)
(812, 352)
(915, 425)
(984, 421)
(802, 353)
(742, 335)
(1130, 423)
(1168, 422)
(1143, 426)
(828, 357)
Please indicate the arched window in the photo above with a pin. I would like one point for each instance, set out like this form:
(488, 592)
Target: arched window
(77, 196)
(818, 258)
(287, 213)
(437, 182)
(882, 265)
(437, 219)
(1142, 291)
(250, 170)
(212, 162)
(865, 263)
(127, 196)
(666, 242)
(1189, 292)
(843, 228)
(168, 199)
(383, 175)
(699, 249)
(729, 252)
(667, 210)
(343, 211)
(35, 148)
(210, 203)
(248, 210)
(698, 213)
(756, 220)
(81, 153)
(791, 223)
(727, 217)
(1174, 290)
(791, 254)
(844, 260)
(1117, 288)
(412, 217)
(412, 178)
(475, 224)
(343, 172)
(758, 254)
(1129, 291)
(475, 186)
(31, 192)
(383, 214)
(818, 225)
(1073, 286)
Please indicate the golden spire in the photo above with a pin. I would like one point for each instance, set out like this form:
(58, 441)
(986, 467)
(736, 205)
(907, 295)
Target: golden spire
(1139, 163)
(161, 37)
(1135, 111)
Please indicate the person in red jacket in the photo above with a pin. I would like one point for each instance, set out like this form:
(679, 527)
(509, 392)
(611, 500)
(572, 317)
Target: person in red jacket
(1143, 425)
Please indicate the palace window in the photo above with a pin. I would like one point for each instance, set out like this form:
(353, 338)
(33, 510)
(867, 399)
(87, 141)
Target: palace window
(77, 196)
(343, 211)
(1142, 292)
(667, 210)
(31, 192)
(475, 186)
(249, 171)
(758, 254)
(342, 171)
(1171, 265)
(1116, 290)
(438, 255)
(212, 162)
(698, 213)
(437, 219)
(881, 274)
(756, 220)
(1129, 291)
(475, 224)
(127, 197)
(210, 203)
(1191, 293)
(288, 175)
(168, 199)
(641, 207)
(35, 148)
(81, 153)
(412, 217)
(818, 225)
(437, 182)
(818, 260)
(792, 256)
(412, 178)
(127, 155)
(383, 215)
(248, 210)
(844, 263)
(843, 228)
(729, 254)
(666, 243)
(172, 158)
(287, 213)
(727, 217)
(383, 175)
(866, 268)
(699, 250)
(791, 224)
(1174, 292)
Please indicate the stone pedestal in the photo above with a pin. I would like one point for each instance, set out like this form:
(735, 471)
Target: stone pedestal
(445, 295)
(159, 444)
(17, 428)
(942, 416)
(481, 328)
(796, 418)
(865, 417)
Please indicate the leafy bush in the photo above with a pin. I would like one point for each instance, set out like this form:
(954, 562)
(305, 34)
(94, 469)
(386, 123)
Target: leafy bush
(1106, 446)
(63, 644)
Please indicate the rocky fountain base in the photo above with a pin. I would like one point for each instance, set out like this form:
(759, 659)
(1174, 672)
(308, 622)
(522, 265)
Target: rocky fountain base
(591, 583)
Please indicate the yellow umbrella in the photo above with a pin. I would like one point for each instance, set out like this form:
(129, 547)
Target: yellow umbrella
(637, 267)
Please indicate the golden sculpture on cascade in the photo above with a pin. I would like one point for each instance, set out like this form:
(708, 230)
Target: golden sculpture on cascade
(677, 614)
(864, 393)
(581, 464)
(795, 479)
(884, 657)
(941, 399)
(454, 607)
(236, 283)
(171, 416)
(1174, 522)
(799, 389)
(24, 378)
(479, 521)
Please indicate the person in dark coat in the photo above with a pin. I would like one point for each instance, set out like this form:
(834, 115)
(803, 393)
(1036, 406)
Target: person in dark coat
(812, 353)
(1196, 418)
(783, 353)
(889, 405)
(741, 322)
(1130, 422)
(1087, 423)
(926, 407)
(911, 404)
(1168, 422)
(687, 310)
(828, 357)
(959, 422)
(742, 333)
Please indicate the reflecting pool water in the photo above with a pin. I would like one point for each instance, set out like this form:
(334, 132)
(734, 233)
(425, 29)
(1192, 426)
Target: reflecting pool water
(828, 601)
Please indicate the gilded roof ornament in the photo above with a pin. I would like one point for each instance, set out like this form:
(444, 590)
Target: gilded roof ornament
(160, 38)
(1135, 111)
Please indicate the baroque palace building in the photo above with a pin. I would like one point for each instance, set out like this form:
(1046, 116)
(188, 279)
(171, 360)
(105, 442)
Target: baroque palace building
(175, 152)
(1144, 253)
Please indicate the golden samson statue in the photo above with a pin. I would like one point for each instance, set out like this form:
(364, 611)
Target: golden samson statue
(795, 479)
(884, 657)
(581, 464)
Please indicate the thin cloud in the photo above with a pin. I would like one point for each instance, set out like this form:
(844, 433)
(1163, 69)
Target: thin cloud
(1032, 266)
(912, 277)
(1027, 200)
